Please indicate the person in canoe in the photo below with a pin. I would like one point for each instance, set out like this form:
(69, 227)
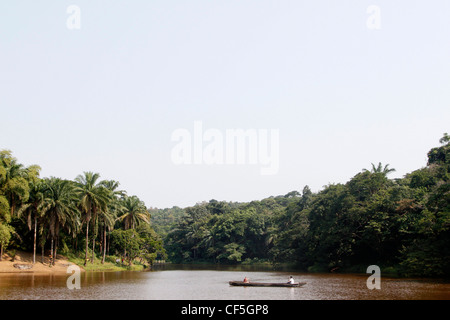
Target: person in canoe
(246, 280)
(291, 280)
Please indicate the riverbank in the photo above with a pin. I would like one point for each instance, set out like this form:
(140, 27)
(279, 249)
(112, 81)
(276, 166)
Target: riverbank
(22, 262)
(109, 264)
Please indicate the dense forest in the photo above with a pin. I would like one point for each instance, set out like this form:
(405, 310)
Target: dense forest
(402, 225)
(85, 218)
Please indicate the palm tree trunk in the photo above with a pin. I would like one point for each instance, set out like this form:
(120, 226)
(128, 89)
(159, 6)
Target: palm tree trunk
(94, 222)
(109, 240)
(56, 248)
(1, 252)
(87, 242)
(104, 245)
(51, 252)
(100, 245)
(93, 248)
(34, 243)
(42, 252)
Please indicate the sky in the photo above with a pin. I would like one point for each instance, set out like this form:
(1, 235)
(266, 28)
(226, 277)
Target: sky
(103, 88)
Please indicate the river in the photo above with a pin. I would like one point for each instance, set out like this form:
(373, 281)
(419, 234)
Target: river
(206, 283)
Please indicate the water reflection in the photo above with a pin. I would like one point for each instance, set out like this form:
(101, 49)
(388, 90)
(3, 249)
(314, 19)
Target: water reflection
(218, 267)
(205, 282)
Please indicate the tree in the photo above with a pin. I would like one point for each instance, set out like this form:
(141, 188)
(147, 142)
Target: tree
(93, 199)
(128, 242)
(232, 252)
(5, 236)
(427, 253)
(5, 213)
(440, 155)
(14, 179)
(289, 237)
(331, 229)
(108, 217)
(379, 169)
(367, 183)
(33, 208)
(4, 210)
(151, 246)
(14, 187)
(134, 212)
(59, 209)
(445, 139)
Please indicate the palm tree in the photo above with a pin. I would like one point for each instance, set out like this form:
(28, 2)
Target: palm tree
(33, 209)
(14, 184)
(445, 138)
(93, 199)
(379, 169)
(108, 217)
(135, 212)
(13, 180)
(59, 209)
(107, 220)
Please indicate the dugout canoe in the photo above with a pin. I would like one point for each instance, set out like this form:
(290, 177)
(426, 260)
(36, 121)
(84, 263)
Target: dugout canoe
(265, 284)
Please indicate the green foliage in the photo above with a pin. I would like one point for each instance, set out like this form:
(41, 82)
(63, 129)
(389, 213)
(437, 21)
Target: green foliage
(134, 212)
(401, 224)
(126, 241)
(232, 252)
(141, 243)
(34, 211)
(5, 234)
(4, 209)
(164, 220)
(151, 246)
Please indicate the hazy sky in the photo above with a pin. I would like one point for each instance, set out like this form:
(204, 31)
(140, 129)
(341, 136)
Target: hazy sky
(108, 96)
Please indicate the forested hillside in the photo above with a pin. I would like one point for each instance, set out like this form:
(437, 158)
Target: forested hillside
(402, 225)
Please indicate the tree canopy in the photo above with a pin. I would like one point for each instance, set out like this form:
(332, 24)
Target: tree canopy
(400, 224)
(69, 213)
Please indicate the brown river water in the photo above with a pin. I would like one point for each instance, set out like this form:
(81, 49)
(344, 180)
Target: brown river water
(193, 283)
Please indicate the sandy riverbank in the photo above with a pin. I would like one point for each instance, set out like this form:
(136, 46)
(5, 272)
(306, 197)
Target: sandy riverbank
(26, 259)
